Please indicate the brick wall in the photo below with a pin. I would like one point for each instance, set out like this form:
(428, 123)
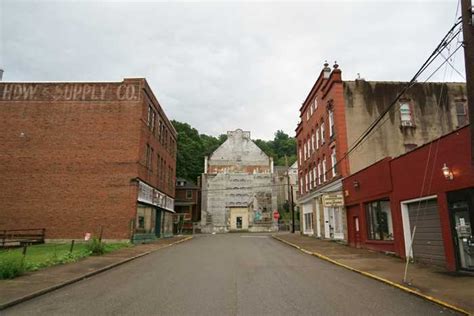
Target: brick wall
(67, 155)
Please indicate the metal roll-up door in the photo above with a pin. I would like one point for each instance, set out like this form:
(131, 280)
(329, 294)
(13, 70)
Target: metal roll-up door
(428, 244)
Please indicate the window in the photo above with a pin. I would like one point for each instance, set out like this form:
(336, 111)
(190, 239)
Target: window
(309, 146)
(312, 142)
(324, 169)
(311, 109)
(317, 137)
(306, 182)
(189, 194)
(150, 111)
(315, 103)
(322, 132)
(308, 221)
(331, 123)
(406, 117)
(379, 220)
(333, 162)
(301, 184)
(153, 119)
(310, 179)
(319, 173)
(301, 156)
(461, 113)
(158, 167)
(304, 147)
(315, 176)
(147, 156)
(307, 115)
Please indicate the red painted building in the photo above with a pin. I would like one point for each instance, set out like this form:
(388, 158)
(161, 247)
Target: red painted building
(430, 188)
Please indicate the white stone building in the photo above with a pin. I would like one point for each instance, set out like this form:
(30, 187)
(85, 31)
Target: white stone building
(237, 187)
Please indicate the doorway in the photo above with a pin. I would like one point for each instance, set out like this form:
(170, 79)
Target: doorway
(239, 222)
(461, 210)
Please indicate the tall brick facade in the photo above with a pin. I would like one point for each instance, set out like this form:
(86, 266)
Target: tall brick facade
(75, 157)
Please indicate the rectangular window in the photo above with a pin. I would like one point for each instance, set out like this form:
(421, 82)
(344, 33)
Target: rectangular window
(189, 194)
(315, 176)
(301, 184)
(147, 156)
(322, 132)
(306, 182)
(150, 111)
(406, 117)
(461, 113)
(304, 148)
(379, 220)
(331, 123)
(158, 171)
(324, 170)
(307, 115)
(153, 119)
(309, 147)
(301, 157)
(333, 162)
(308, 221)
(310, 180)
(317, 138)
(319, 173)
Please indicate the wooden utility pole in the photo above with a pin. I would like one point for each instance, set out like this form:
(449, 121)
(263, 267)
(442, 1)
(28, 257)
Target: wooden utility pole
(468, 35)
(290, 195)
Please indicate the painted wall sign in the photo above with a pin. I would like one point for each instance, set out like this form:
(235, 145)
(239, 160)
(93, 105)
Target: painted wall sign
(69, 92)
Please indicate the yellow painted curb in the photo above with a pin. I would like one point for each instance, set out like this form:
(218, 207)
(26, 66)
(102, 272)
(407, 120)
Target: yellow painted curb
(373, 276)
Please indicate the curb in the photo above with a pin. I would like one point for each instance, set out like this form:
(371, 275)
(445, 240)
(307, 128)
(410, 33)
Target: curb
(375, 277)
(84, 276)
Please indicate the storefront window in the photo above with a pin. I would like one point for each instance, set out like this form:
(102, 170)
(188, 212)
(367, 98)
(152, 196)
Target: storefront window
(145, 222)
(379, 220)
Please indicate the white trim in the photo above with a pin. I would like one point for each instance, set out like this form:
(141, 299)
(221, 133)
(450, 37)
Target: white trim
(406, 221)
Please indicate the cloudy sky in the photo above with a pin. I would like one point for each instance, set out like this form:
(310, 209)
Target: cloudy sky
(223, 65)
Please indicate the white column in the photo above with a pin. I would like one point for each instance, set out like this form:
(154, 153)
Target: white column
(271, 165)
(205, 164)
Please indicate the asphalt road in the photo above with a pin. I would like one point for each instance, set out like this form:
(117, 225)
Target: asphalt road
(233, 274)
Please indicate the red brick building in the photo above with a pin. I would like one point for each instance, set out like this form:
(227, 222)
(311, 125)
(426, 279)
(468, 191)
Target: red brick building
(187, 203)
(75, 157)
(337, 112)
(431, 188)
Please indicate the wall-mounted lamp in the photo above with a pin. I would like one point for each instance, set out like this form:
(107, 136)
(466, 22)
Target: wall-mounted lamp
(448, 174)
(356, 184)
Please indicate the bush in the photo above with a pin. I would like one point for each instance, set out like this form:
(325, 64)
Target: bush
(96, 247)
(11, 267)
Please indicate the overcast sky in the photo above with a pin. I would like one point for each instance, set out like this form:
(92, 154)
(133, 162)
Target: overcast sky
(223, 65)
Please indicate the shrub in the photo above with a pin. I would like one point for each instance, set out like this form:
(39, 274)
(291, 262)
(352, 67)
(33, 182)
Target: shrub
(96, 247)
(11, 266)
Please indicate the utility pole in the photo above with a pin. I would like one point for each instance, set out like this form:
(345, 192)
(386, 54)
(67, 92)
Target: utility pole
(290, 195)
(468, 35)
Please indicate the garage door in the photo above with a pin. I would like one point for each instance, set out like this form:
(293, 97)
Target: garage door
(428, 244)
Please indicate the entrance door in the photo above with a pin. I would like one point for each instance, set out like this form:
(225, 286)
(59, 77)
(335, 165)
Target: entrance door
(356, 231)
(239, 222)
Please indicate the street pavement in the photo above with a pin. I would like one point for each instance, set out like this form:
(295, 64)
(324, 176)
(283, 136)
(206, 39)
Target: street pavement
(231, 274)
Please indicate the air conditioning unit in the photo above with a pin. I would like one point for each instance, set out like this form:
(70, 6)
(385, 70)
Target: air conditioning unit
(407, 123)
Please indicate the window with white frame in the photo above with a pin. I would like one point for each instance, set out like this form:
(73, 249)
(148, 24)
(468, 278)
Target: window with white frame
(312, 142)
(315, 175)
(310, 179)
(309, 146)
(317, 137)
(315, 103)
(406, 116)
(319, 173)
(461, 113)
(331, 123)
(333, 162)
(324, 169)
(306, 182)
(301, 157)
(311, 109)
(304, 148)
(322, 132)
(307, 115)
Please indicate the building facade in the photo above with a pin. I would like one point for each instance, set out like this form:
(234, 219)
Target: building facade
(333, 117)
(79, 158)
(237, 187)
(187, 204)
(420, 204)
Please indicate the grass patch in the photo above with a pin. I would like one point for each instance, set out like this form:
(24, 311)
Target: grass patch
(37, 257)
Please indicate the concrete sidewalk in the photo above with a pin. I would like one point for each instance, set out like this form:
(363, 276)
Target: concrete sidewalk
(431, 283)
(36, 283)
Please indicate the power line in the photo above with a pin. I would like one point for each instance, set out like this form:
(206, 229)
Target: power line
(447, 39)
